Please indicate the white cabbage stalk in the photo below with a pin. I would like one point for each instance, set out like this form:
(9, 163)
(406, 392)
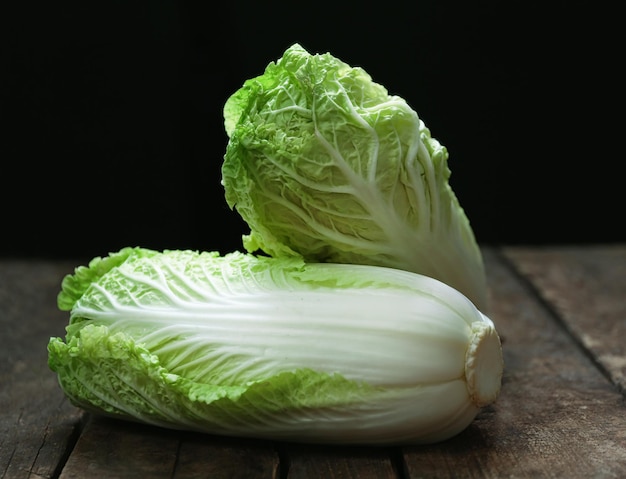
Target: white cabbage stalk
(245, 345)
(322, 162)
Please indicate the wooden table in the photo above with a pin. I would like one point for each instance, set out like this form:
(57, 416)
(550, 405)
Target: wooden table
(561, 314)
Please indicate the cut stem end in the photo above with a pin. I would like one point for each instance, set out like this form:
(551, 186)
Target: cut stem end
(484, 363)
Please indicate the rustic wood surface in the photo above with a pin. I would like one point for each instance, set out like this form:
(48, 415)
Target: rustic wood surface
(561, 314)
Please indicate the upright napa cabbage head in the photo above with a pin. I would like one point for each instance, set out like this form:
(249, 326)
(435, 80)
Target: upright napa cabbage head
(323, 163)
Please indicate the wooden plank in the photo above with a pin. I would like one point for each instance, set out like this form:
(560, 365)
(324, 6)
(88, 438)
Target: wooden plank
(38, 426)
(557, 414)
(204, 456)
(118, 449)
(586, 286)
(316, 461)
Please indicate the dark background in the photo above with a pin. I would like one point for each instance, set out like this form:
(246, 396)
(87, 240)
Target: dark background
(112, 129)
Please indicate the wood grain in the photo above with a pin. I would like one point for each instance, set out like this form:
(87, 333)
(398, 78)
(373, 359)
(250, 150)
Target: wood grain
(560, 312)
(38, 426)
(586, 286)
(126, 450)
(204, 456)
(311, 461)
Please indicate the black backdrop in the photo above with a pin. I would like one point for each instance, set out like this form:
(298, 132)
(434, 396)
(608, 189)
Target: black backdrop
(112, 113)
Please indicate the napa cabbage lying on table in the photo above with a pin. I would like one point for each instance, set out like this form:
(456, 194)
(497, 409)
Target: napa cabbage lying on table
(274, 348)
